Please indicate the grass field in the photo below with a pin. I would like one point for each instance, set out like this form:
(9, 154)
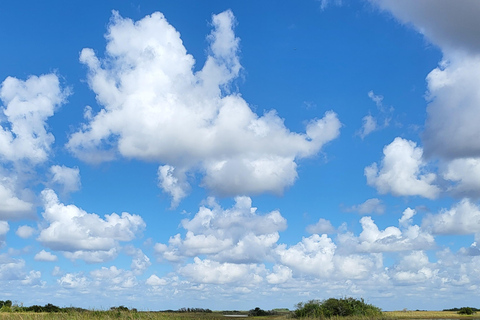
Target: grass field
(112, 315)
(428, 315)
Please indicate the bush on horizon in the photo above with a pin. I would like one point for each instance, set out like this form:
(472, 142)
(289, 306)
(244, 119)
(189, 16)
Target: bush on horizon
(336, 307)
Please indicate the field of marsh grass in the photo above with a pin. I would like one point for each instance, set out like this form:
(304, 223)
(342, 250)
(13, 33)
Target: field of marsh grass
(131, 315)
(123, 315)
(428, 315)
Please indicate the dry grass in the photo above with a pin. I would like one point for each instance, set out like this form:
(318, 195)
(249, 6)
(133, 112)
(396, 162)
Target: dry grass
(428, 315)
(108, 315)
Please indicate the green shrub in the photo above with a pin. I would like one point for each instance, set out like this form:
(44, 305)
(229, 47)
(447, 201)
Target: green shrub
(5, 308)
(466, 310)
(336, 307)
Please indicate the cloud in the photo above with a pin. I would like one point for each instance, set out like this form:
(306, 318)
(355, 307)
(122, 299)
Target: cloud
(451, 129)
(83, 235)
(140, 261)
(25, 232)
(45, 256)
(369, 125)
(402, 171)
(324, 4)
(207, 271)
(113, 278)
(322, 226)
(73, 281)
(465, 173)
(12, 208)
(414, 268)
(4, 228)
(68, 178)
(11, 269)
(450, 25)
(237, 234)
(155, 108)
(172, 183)
(27, 106)
(154, 280)
(311, 256)
(462, 218)
(370, 206)
(280, 274)
(378, 99)
(373, 240)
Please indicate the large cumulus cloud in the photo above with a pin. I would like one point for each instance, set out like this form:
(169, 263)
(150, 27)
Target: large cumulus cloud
(156, 108)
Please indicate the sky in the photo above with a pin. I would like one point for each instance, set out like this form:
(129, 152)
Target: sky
(240, 154)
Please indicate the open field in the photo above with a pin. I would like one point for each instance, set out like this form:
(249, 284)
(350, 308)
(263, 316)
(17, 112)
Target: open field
(428, 315)
(109, 315)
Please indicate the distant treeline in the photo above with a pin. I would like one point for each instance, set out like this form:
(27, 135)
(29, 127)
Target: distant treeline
(458, 309)
(8, 306)
(194, 310)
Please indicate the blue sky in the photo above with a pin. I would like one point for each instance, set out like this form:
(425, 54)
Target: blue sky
(234, 154)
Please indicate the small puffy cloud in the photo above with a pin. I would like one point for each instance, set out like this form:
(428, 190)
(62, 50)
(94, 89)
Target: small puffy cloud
(462, 218)
(27, 106)
(12, 207)
(68, 178)
(237, 234)
(25, 232)
(83, 235)
(322, 226)
(402, 171)
(370, 206)
(45, 256)
(155, 108)
(154, 280)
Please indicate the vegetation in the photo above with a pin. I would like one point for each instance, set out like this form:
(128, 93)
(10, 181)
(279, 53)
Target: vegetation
(336, 308)
(257, 312)
(466, 310)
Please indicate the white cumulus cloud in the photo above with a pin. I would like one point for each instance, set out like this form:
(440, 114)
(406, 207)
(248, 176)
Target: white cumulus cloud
(156, 108)
(45, 256)
(27, 106)
(402, 171)
(461, 218)
(83, 235)
(25, 232)
(237, 234)
(68, 178)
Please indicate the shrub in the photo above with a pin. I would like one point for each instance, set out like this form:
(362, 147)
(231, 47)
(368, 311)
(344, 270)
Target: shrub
(466, 310)
(336, 307)
(5, 308)
(257, 312)
(312, 308)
